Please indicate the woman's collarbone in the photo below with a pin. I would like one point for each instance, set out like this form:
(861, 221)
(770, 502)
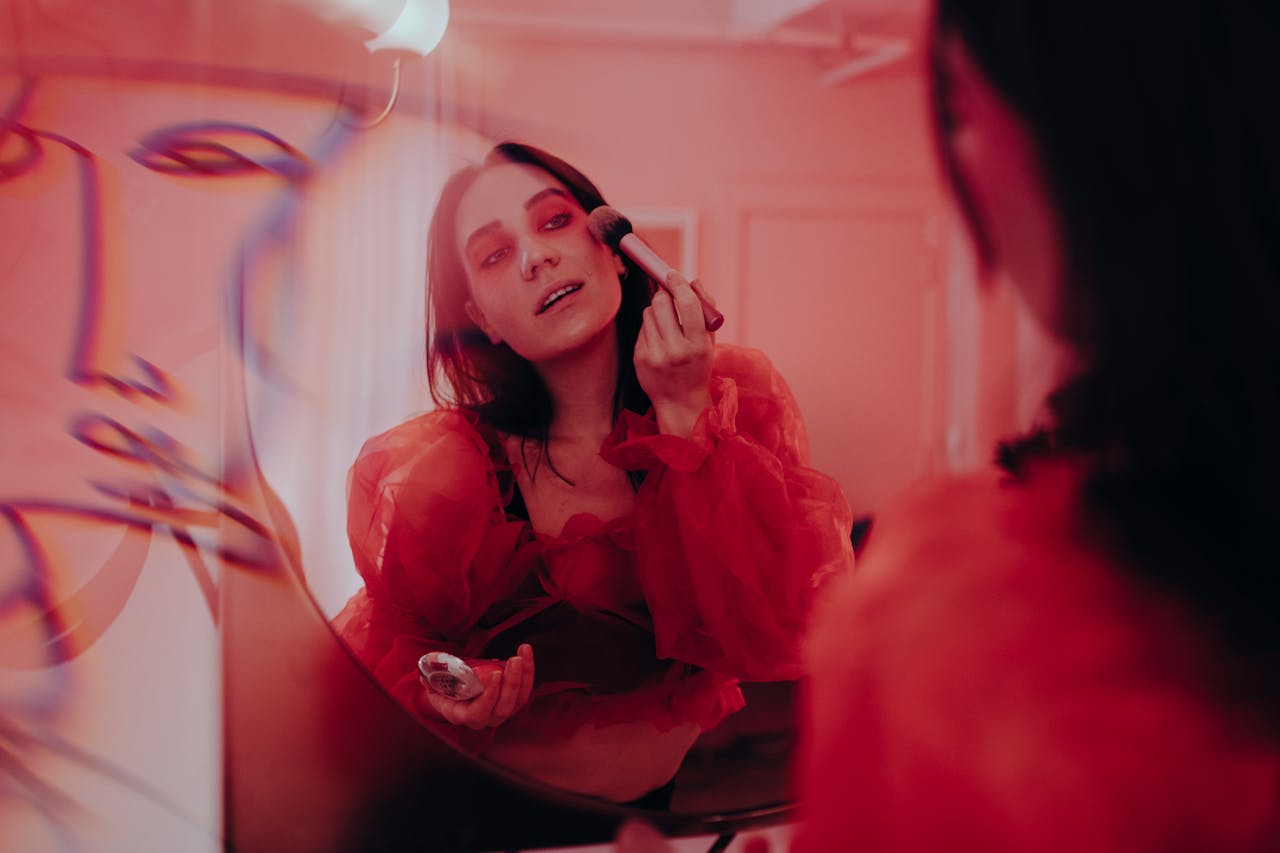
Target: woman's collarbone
(582, 486)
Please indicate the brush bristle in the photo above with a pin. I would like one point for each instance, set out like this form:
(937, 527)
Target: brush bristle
(608, 225)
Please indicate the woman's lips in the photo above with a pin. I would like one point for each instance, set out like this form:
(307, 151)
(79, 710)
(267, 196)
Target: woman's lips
(557, 293)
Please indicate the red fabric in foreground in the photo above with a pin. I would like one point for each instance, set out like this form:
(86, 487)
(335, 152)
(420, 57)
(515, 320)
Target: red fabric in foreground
(651, 617)
(988, 682)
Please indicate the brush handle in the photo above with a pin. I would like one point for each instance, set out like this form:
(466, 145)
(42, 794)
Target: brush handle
(711, 318)
(656, 268)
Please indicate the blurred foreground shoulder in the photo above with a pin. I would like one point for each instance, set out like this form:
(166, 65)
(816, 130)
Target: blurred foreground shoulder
(990, 680)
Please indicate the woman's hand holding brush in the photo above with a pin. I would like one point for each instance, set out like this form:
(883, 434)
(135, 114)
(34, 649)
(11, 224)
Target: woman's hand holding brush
(673, 356)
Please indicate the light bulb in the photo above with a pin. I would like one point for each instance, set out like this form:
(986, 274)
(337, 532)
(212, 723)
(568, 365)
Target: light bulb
(418, 30)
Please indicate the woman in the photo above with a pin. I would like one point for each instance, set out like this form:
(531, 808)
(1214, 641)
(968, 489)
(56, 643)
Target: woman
(603, 497)
(1080, 652)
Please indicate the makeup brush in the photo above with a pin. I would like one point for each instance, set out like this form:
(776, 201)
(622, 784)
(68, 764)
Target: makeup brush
(614, 230)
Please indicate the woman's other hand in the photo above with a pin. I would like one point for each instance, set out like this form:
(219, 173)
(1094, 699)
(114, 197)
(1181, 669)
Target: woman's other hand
(505, 691)
(673, 356)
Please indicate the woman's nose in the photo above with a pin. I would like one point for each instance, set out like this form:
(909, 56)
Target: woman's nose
(534, 255)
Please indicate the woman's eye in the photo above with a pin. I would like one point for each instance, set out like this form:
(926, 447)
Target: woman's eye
(493, 257)
(556, 222)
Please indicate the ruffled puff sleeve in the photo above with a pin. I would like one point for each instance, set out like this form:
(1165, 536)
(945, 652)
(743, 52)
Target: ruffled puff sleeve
(735, 534)
(431, 540)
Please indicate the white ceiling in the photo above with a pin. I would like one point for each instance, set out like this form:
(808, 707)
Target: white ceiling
(742, 20)
(859, 35)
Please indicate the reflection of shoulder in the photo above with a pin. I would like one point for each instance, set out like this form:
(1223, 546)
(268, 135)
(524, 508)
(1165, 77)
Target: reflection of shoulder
(745, 365)
(443, 428)
(767, 409)
(754, 375)
(443, 444)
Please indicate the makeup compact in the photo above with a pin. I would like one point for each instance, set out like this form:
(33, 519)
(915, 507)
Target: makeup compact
(451, 676)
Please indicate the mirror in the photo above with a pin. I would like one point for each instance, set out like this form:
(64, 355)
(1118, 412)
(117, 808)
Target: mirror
(213, 295)
(773, 190)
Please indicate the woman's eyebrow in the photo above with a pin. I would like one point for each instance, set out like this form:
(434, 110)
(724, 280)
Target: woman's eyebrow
(540, 195)
(481, 231)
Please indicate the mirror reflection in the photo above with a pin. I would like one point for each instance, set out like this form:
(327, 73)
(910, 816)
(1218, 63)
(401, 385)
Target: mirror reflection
(609, 508)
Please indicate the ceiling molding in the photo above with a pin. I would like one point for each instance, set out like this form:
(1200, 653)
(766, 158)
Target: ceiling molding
(639, 30)
(878, 54)
(821, 27)
(751, 19)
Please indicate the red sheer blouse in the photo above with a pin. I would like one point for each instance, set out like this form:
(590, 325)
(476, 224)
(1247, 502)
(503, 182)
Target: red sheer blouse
(655, 616)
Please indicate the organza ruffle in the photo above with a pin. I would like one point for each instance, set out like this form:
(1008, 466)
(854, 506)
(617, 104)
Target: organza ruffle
(739, 531)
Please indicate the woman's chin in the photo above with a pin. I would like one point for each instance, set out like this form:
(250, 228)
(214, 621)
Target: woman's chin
(574, 336)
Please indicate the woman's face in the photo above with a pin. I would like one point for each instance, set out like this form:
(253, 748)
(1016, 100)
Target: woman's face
(539, 280)
(998, 168)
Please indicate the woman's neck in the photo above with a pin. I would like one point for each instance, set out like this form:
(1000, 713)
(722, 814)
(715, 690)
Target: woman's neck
(582, 385)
